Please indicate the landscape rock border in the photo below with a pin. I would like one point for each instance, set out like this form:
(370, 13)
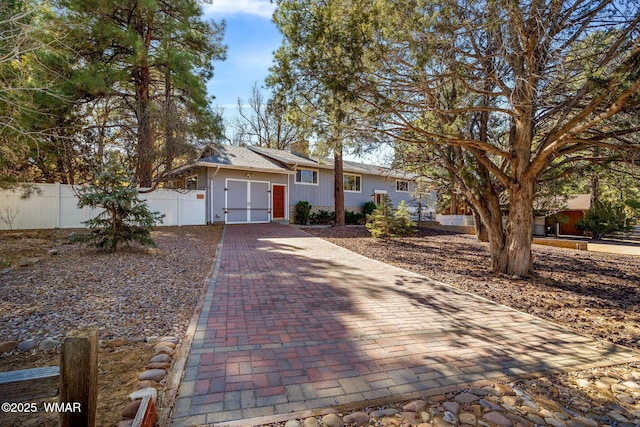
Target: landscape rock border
(590, 398)
(152, 379)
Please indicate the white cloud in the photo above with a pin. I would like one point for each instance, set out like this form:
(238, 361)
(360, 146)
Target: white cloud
(262, 8)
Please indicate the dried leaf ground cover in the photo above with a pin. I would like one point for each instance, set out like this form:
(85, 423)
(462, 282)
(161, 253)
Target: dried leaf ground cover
(595, 294)
(132, 294)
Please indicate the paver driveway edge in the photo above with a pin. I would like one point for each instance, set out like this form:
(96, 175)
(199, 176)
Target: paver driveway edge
(233, 367)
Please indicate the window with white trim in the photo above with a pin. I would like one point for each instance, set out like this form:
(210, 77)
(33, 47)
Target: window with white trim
(307, 176)
(352, 183)
(402, 186)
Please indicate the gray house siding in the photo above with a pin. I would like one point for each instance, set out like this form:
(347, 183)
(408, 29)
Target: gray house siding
(320, 196)
(240, 183)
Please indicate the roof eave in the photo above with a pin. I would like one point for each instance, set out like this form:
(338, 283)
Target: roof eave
(244, 168)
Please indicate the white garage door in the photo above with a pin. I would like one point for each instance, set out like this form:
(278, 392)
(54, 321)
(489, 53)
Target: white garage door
(247, 201)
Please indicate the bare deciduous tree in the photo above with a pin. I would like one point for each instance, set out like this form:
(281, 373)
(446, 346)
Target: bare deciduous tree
(262, 123)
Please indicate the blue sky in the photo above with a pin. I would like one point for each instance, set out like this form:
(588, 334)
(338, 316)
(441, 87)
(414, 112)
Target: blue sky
(251, 38)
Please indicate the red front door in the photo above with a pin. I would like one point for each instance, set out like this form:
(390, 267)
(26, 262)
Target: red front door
(278, 202)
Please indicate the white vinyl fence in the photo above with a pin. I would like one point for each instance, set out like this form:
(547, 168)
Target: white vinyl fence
(56, 206)
(467, 220)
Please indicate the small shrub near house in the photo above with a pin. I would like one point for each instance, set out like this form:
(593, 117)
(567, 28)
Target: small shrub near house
(124, 218)
(303, 212)
(353, 218)
(385, 222)
(368, 208)
(322, 217)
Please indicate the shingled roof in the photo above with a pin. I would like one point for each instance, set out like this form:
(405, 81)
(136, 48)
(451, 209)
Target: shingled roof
(232, 157)
(293, 160)
(282, 161)
(289, 158)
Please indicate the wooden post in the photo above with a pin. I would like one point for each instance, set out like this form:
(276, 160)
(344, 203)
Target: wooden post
(79, 379)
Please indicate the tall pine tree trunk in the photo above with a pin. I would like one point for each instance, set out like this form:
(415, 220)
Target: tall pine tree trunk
(338, 184)
(144, 172)
(142, 79)
(169, 122)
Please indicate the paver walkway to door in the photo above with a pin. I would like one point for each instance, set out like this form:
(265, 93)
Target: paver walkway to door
(292, 322)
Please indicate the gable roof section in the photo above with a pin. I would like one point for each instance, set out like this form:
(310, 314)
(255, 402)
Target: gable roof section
(288, 158)
(293, 160)
(232, 157)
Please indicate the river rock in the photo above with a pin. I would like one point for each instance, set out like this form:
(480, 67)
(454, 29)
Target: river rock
(511, 400)
(153, 375)
(450, 417)
(498, 418)
(587, 422)
(332, 420)
(165, 344)
(172, 340)
(410, 417)
(467, 418)
(554, 422)
(384, 413)
(504, 389)
(293, 423)
(584, 383)
(490, 405)
(632, 385)
(161, 358)
(311, 422)
(357, 418)
(163, 349)
(158, 365)
(7, 346)
(48, 344)
(415, 406)
(466, 398)
(27, 345)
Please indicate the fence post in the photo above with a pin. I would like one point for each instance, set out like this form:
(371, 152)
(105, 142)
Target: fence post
(58, 204)
(179, 210)
(79, 378)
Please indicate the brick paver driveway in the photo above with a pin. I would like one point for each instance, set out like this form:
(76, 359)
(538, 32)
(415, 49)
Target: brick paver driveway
(292, 323)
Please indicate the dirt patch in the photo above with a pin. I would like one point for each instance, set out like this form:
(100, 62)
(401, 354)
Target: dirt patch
(134, 293)
(595, 294)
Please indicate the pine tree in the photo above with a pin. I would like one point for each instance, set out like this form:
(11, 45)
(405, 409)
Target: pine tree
(124, 218)
(381, 223)
(404, 226)
(605, 219)
(145, 57)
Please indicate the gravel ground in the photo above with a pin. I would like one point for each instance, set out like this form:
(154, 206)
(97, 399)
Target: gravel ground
(132, 293)
(595, 294)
